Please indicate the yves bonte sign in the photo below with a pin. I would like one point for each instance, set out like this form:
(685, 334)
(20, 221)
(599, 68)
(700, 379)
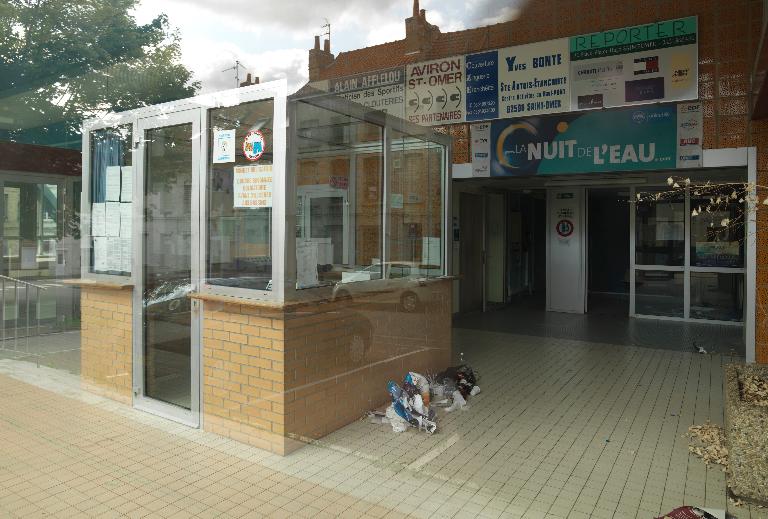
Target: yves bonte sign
(383, 90)
(647, 63)
(533, 79)
(435, 91)
(625, 139)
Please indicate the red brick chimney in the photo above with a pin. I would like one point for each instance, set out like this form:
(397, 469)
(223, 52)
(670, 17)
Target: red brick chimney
(319, 58)
(418, 32)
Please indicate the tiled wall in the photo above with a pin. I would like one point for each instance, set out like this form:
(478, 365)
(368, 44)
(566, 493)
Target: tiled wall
(106, 341)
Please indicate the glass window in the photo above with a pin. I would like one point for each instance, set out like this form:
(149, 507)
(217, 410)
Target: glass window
(31, 227)
(415, 206)
(717, 296)
(240, 196)
(660, 230)
(339, 175)
(659, 292)
(111, 190)
(717, 234)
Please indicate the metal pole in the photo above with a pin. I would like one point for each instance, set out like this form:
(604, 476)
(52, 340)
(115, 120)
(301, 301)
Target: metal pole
(16, 316)
(26, 296)
(37, 311)
(3, 311)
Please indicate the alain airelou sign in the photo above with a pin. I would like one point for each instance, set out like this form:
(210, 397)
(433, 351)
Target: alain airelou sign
(628, 139)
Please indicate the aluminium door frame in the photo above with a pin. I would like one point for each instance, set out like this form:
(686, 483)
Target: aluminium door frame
(142, 402)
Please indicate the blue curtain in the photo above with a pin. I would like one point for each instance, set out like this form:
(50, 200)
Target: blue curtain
(107, 151)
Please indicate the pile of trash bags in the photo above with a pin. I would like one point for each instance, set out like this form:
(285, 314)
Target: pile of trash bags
(413, 404)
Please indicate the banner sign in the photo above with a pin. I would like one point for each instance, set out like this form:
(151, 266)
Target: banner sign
(533, 79)
(651, 63)
(383, 90)
(435, 92)
(629, 139)
(483, 86)
(654, 62)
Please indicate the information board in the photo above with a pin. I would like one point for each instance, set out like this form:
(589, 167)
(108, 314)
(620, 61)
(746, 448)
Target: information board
(435, 92)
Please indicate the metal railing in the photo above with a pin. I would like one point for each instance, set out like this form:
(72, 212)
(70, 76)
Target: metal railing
(24, 287)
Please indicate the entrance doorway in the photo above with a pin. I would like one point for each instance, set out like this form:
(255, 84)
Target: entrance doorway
(166, 359)
(608, 238)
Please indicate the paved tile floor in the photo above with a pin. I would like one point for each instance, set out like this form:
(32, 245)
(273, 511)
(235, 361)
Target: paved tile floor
(562, 429)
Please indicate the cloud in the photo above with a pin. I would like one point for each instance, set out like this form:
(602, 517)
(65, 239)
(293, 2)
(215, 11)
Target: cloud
(209, 59)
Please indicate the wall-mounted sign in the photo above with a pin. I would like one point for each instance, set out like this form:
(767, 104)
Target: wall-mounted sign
(626, 139)
(564, 228)
(481, 150)
(482, 86)
(533, 79)
(382, 90)
(252, 186)
(435, 91)
(253, 145)
(338, 182)
(654, 62)
(223, 146)
(690, 131)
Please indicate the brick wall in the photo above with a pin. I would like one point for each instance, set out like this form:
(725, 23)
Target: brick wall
(277, 378)
(106, 341)
(329, 385)
(244, 374)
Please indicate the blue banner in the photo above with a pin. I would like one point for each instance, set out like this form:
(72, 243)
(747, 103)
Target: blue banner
(482, 73)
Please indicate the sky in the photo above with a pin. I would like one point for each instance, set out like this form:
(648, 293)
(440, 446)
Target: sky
(272, 38)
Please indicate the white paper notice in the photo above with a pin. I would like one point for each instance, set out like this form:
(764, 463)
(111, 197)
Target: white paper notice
(306, 265)
(125, 255)
(100, 254)
(112, 219)
(113, 183)
(98, 219)
(126, 189)
(223, 146)
(113, 254)
(126, 219)
(253, 186)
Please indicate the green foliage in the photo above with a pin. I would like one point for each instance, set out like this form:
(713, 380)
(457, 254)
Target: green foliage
(62, 61)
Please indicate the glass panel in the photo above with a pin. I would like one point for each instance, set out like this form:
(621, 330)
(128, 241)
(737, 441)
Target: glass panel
(111, 178)
(717, 235)
(338, 198)
(31, 229)
(415, 214)
(717, 296)
(240, 196)
(660, 230)
(659, 292)
(167, 265)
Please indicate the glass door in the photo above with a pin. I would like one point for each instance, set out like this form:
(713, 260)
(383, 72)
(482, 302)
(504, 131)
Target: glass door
(166, 358)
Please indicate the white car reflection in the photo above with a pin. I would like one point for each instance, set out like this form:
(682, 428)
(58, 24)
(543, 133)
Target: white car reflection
(403, 283)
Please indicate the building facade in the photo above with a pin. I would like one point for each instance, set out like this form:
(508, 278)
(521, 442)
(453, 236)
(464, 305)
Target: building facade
(671, 266)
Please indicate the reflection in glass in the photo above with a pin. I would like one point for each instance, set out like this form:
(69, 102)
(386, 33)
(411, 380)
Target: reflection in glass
(339, 174)
(239, 236)
(717, 235)
(167, 264)
(659, 293)
(415, 221)
(660, 231)
(717, 296)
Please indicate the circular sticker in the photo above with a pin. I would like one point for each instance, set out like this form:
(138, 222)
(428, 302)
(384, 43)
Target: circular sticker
(253, 145)
(564, 228)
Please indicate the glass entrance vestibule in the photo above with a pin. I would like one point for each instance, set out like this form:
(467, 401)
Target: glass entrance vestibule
(612, 247)
(248, 254)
